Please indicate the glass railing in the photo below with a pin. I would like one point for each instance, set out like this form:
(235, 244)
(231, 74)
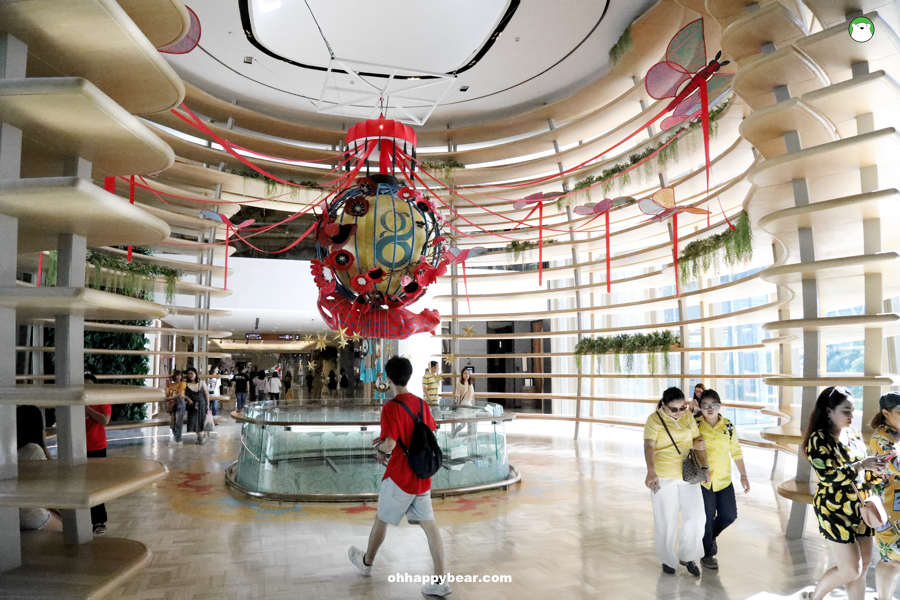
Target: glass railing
(304, 451)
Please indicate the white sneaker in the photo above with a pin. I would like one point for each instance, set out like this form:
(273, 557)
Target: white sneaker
(356, 557)
(437, 589)
(174, 443)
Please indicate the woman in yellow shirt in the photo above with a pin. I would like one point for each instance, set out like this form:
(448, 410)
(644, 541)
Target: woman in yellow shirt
(886, 442)
(669, 435)
(718, 496)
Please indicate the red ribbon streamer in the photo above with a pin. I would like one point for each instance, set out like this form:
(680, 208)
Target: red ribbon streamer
(466, 284)
(675, 250)
(540, 242)
(131, 200)
(40, 268)
(608, 282)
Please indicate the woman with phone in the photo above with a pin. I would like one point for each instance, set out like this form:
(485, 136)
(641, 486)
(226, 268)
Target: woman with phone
(837, 453)
(669, 435)
(886, 442)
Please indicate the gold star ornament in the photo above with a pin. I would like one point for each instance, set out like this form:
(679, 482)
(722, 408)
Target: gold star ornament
(321, 341)
(449, 358)
(341, 337)
(307, 339)
(356, 337)
(469, 330)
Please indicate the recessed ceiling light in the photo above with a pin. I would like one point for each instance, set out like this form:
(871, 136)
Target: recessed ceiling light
(248, 60)
(464, 88)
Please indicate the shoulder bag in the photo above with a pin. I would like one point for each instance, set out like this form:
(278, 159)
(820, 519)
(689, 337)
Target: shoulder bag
(691, 471)
(871, 508)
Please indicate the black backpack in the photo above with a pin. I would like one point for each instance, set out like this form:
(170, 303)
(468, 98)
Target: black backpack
(424, 454)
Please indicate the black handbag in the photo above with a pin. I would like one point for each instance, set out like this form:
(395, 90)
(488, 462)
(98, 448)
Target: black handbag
(691, 471)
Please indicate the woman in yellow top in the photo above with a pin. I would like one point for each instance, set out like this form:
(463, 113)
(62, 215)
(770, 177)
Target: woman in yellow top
(722, 446)
(669, 435)
(886, 442)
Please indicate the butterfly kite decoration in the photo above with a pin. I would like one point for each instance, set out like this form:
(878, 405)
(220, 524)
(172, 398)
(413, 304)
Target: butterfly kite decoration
(538, 199)
(690, 81)
(592, 209)
(661, 206)
(455, 255)
(229, 226)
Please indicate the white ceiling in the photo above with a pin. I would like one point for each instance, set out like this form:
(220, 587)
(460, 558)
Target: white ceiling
(546, 52)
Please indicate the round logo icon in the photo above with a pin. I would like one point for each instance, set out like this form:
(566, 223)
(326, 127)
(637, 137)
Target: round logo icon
(862, 29)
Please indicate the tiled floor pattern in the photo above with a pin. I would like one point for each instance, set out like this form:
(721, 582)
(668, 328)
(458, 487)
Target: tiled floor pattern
(579, 525)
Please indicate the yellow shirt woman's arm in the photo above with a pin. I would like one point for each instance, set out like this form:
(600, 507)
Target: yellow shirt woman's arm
(738, 455)
(652, 480)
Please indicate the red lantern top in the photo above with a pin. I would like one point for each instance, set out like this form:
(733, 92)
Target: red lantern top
(387, 137)
(381, 128)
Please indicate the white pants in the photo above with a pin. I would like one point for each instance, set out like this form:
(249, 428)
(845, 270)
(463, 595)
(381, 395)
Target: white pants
(673, 495)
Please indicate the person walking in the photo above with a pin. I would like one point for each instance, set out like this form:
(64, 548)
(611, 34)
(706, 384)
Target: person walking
(273, 386)
(722, 445)
(197, 403)
(259, 386)
(464, 394)
(885, 441)
(669, 434)
(176, 406)
(213, 386)
(431, 383)
(344, 383)
(402, 491)
(310, 376)
(241, 381)
(287, 381)
(695, 400)
(837, 453)
(96, 418)
(32, 445)
(332, 384)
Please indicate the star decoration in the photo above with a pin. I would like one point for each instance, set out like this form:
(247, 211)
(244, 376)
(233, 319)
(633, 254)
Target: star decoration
(321, 341)
(307, 339)
(313, 365)
(356, 337)
(341, 337)
(469, 330)
(449, 358)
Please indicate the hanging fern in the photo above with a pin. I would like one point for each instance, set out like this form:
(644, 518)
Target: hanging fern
(653, 344)
(622, 46)
(271, 186)
(668, 154)
(518, 248)
(729, 248)
(447, 165)
(115, 274)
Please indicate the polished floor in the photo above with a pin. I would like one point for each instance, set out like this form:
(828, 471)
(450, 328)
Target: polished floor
(579, 525)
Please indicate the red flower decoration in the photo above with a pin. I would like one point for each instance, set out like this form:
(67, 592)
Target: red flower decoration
(425, 274)
(357, 207)
(362, 283)
(367, 186)
(341, 260)
(407, 193)
(324, 277)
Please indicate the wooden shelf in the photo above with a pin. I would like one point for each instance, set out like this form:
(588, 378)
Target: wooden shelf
(48, 302)
(172, 245)
(789, 434)
(834, 50)
(191, 311)
(48, 207)
(72, 117)
(772, 23)
(825, 324)
(89, 326)
(89, 395)
(798, 492)
(673, 349)
(829, 380)
(849, 154)
(885, 263)
(765, 128)
(727, 11)
(162, 21)
(94, 39)
(756, 82)
(837, 224)
(833, 12)
(51, 349)
(43, 483)
(184, 266)
(181, 287)
(51, 569)
(843, 101)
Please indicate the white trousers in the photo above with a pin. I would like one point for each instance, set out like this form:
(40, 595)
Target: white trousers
(673, 495)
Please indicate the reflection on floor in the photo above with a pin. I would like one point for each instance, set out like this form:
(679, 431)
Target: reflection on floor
(579, 525)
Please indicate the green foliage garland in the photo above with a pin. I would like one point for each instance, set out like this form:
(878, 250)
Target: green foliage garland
(271, 188)
(667, 155)
(653, 343)
(729, 248)
(519, 248)
(115, 274)
(621, 48)
(447, 165)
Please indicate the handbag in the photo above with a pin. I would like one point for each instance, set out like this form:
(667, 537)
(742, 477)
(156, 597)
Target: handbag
(871, 508)
(691, 471)
(209, 424)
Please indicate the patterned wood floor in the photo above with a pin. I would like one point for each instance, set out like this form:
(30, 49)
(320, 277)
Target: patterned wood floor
(578, 526)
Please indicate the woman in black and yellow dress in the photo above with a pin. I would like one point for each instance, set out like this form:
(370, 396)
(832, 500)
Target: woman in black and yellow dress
(837, 453)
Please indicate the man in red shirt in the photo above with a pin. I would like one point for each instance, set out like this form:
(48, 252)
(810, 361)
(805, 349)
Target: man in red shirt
(402, 491)
(95, 420)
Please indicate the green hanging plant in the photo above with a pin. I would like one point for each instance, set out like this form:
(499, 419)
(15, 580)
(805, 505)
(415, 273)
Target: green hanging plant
(729, 248)
(115, 274)
(271, 186)
(629, 345)
(518, 248)
(622, 46)
(447, 165)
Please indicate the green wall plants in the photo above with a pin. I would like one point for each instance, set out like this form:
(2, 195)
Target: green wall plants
(729, 248)
(629, 345)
